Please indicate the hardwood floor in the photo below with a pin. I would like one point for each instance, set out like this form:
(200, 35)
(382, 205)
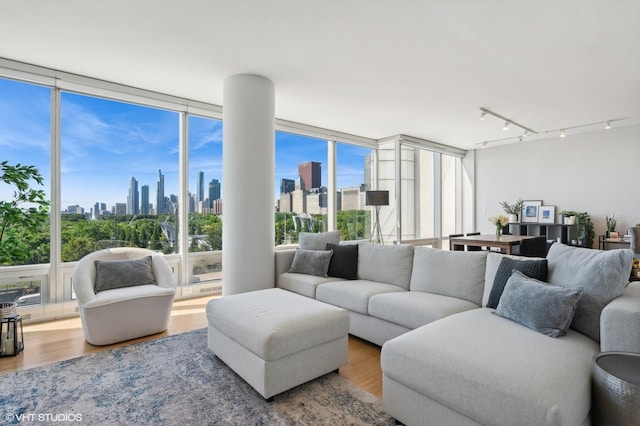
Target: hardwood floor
(49, 342)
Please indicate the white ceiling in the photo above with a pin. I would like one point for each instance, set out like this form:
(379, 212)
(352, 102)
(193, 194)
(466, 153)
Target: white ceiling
(373, 68)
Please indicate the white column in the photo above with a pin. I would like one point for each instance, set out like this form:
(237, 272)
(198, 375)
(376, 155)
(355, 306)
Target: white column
(248, 166)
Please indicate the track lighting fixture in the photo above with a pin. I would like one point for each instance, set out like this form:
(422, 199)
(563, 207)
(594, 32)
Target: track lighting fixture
(507, 122)
(607, 125)
(562, 133)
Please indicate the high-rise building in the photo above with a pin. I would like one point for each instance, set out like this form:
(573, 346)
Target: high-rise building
(214, 191)
(200, 194)
(310, 172)
(145, 207)
(133, 199)
(161, 204)
(287, 185)
(120, 209)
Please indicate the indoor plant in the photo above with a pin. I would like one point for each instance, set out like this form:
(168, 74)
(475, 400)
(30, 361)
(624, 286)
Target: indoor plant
(500, 221)
(513, 210)
(585, 229)
(568, 217)
(611, 225)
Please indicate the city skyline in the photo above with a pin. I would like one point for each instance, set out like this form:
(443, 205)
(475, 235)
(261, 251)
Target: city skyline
(105, 143)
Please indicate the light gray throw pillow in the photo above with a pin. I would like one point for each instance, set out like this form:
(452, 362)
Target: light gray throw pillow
(390, 264)
(317, 240)
(311, 262)
(547, 309)
(602, 274)
(111, 274)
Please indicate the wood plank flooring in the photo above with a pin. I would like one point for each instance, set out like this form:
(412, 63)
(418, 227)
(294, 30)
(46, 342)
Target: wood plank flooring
(53, 341)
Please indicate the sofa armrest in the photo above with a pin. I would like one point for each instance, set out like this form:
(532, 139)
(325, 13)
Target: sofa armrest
(283, 259)
(620, 322)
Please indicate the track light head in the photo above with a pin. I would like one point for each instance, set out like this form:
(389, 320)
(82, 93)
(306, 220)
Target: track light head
(562, 133)
(506, 125)
(482, 115)
(607, 125)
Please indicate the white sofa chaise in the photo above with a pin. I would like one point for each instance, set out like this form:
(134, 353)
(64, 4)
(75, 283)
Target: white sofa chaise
(449, 359)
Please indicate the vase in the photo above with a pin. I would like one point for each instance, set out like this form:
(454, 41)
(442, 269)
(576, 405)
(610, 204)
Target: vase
(498, 231)
(513, 218)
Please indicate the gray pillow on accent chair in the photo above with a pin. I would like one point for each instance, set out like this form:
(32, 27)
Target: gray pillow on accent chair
(112, 274)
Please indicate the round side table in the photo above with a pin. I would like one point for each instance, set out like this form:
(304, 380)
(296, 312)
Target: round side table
(616, 389)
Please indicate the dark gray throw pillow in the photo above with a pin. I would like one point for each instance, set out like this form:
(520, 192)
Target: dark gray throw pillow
(344, 261)
(111, 274)
(533, 268)
(545, 308)
(311, 262)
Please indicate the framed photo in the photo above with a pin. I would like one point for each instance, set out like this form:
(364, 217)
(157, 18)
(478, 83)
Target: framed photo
(547, 214)
(530, 211)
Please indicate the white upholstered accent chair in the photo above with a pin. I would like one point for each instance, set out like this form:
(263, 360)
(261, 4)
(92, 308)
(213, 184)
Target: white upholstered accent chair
(119, 314)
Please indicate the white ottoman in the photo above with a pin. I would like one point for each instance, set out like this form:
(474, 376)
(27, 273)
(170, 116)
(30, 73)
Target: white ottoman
(275, 339)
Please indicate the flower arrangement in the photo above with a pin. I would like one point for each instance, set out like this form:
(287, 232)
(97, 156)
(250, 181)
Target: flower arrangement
(500, 221)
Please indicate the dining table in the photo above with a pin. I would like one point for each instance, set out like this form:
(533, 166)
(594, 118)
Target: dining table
(504, 242)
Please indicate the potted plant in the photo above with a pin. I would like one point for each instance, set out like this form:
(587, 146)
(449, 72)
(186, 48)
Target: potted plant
(512, 210)
(22, 216)
(568, 217)
(585, 229)
(611, 226)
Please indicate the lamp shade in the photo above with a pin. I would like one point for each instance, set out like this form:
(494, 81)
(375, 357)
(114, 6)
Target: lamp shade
(377, 198)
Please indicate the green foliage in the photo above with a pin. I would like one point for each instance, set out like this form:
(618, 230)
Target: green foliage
(514, 208)
(22, 218)
(611, 222)
(586, 232)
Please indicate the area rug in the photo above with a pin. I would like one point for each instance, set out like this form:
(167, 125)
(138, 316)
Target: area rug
(174, 380)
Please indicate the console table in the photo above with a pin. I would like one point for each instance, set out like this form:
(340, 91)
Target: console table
(603, 241)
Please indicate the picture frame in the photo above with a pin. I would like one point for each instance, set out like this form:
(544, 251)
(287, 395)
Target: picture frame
(547, 214)
(530, 211)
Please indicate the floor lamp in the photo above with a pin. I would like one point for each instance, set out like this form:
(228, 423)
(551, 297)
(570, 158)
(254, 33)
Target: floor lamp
(377, 199)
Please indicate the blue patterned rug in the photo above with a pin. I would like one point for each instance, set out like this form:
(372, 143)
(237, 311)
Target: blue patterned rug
(174, 380)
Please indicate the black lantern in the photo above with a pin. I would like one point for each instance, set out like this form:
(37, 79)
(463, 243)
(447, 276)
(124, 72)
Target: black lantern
(11, 334)
(377, 199)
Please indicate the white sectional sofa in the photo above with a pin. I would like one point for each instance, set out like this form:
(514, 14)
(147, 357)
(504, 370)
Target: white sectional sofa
(448, 359)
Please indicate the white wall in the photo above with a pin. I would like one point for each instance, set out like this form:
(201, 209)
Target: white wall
(597, 172)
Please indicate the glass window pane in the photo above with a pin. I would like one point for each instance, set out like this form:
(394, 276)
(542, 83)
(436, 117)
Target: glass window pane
(353, 178)
(449, 194)
(205, 199)
(25, 139)
(119, 176)
(300, 186)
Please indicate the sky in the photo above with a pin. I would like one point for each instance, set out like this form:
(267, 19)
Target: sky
(104, 143)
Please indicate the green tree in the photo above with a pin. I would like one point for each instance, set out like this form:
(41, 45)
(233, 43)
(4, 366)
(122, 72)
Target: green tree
(22, 218)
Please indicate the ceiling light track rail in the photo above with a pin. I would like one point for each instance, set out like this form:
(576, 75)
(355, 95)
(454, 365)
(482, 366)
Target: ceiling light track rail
(507, 121)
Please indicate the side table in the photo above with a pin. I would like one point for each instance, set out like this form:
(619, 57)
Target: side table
(616, 389)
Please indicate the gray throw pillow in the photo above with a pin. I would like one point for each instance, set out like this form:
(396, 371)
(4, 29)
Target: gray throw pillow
(317, 240)
(111, 274)
(547, 309)
(532, 268)
(602, 274)
(311, 262)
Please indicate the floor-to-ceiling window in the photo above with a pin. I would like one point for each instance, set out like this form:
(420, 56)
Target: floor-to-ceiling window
(25, 141)
(119, 176)
(353, 179)
(205, 199)
(300, 186)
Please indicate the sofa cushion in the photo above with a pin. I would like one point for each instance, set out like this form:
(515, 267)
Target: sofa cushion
(545, 308)
(601, 274)
(312, 262)
(533, 268)
(493, 262)
(385, 264)
(344, 261)
(317, 240)
(449, 273)
(413, 309)
(112, 274)
(353, 295)
(479, 364)
(302, 283)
